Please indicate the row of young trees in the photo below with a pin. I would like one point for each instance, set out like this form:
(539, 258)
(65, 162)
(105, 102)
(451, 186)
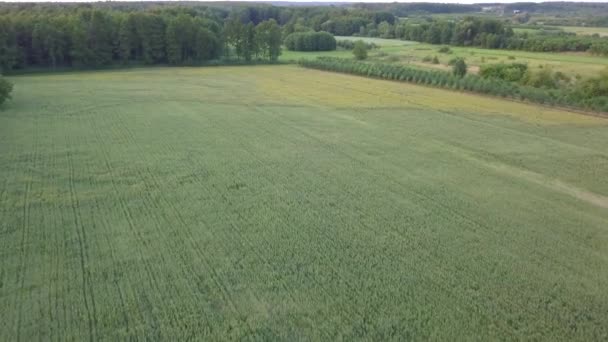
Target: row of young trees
(86, 37)
(593, 98)
(310, 41)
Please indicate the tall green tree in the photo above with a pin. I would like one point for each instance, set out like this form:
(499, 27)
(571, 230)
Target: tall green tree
(180, 40)
(9, 49)
(207, 45)
(127, 39)
(151, 30)
(233, 35)
(268, 35)
(49, 43)
(250, 44)
(99, 38)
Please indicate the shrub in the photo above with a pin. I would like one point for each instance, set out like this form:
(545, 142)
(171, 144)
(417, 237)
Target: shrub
(445, 49)
(508, 72)
(459, 67)
(427, 59)
(435, 60)
(360, 50)
(543, 78)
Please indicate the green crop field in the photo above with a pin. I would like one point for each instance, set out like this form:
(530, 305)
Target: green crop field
(280, 203)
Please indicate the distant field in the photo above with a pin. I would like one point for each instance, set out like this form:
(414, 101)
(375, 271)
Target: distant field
(571, 64)
(379, 41)
(383, 43)
(279, 203)
(407, 52)
(602, 31)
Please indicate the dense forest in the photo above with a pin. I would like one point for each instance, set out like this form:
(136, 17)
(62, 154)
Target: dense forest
(83, 35)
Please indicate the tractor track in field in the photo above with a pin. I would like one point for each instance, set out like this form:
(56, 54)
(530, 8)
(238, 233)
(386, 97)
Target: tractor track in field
(25, 229)
(454, 213)
(127, 213)
(556, 185)
(226, 293)
(234, 224)
(152, 182)
(180, 214)
(549, 183)
(352, 287)
(155, 183)
(87, 289)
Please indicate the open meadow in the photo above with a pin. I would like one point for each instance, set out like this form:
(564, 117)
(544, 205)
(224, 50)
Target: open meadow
(572, 64)
(584, 30)
(281, 203)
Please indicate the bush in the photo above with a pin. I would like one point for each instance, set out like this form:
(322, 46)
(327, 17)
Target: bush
(360, 50)
(543, 78)
(459, 67)
(393, 58)
(435, 60)
(427, 59)
(508, 72)
(445, 49)
(310, 41)
(5, 90)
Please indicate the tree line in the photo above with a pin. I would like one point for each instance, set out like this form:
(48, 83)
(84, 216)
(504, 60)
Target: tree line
(84, 37)
(589, 95)
(493, 34)
(310, 41)
(43, 35)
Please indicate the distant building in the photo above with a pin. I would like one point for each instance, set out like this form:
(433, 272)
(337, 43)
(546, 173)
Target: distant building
(491, 9)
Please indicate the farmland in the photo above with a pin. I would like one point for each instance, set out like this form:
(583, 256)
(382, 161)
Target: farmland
(582, 30)
(275, 202)
(411, 53)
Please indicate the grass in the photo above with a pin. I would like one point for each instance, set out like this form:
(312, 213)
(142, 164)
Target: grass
(287, 55)
(279, 203)
(406, 52)
(571, 64)
(580, 30)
